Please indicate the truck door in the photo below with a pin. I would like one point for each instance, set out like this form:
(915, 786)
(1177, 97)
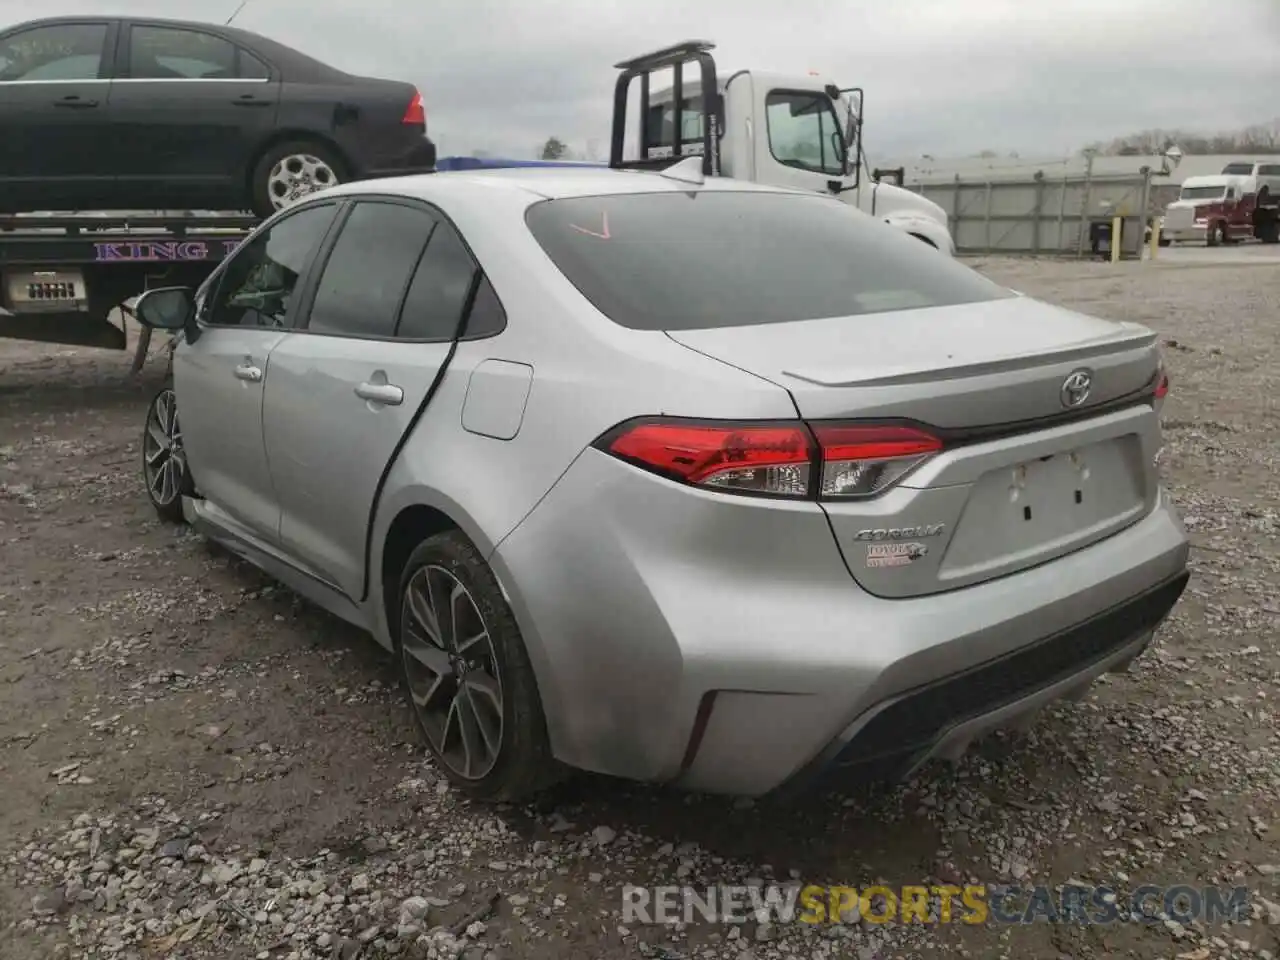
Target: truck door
(799, 143)
(54, 85)
(190, 108)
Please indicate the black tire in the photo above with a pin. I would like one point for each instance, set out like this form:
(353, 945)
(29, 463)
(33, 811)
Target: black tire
(260, 179)
(524, 764)
(164, 489)
(1216, 236)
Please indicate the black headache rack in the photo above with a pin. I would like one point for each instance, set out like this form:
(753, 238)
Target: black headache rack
(656, 155)
(61, 276)
(657, 150)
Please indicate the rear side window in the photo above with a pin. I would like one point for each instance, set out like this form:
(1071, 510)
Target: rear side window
(686, 261)
(440, 290)
(249, 67)
(369, 270)
(163, 53)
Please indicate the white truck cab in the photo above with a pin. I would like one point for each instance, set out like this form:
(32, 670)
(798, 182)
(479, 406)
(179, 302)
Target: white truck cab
(1212, 209)
(779, 129)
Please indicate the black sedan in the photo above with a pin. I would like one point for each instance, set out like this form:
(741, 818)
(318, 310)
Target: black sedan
(113, 113)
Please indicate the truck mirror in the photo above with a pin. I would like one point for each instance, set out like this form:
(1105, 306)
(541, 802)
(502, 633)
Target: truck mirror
(165, 308)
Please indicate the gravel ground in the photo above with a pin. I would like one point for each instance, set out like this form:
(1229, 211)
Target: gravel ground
(195, 763)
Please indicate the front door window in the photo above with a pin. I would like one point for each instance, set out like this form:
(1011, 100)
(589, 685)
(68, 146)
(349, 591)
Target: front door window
(257, 285)
(66, 51)
(804, 132)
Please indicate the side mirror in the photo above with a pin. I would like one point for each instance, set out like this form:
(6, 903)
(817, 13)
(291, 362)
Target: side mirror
(166, 308)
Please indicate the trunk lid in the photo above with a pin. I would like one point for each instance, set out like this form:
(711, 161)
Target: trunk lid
(1024, 476)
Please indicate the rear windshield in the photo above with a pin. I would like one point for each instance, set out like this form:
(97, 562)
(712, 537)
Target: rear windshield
(1238, 168)
(687, 261)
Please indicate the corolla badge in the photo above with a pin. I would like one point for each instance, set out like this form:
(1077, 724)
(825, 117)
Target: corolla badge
(1075, 389)
(902, 533)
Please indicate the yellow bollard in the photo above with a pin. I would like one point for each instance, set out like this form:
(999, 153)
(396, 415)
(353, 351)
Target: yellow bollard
(1115, 238)
(1155, 237)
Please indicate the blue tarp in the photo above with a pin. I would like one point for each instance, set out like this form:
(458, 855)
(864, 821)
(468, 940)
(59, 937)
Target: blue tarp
(494, 163)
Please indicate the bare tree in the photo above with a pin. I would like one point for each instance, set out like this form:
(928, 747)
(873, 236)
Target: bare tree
(1257, 138)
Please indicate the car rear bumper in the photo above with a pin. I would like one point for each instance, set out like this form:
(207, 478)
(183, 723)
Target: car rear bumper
(418, 157)
(720, 643)
(941, 719)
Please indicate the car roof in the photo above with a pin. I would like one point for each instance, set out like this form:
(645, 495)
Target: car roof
(546, 183)
(139, 18)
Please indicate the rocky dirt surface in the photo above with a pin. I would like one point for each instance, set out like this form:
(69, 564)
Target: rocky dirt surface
(195, 763)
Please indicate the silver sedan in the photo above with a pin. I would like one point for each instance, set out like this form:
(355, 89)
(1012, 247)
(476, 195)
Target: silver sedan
(712, 484)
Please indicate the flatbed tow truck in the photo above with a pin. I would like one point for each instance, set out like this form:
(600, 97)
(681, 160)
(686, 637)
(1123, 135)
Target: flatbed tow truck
(63, 276)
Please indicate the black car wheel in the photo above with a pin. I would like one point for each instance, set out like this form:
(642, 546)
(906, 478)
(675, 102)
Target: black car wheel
(164, 459)
(470, 684)
(290, 171)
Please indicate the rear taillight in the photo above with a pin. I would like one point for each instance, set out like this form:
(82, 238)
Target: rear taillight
(1162, 383)
(861, 461)
(749, 458)
(415, 113)
(836, 461)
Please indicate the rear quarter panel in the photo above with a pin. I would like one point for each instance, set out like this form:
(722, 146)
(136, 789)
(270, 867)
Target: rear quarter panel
(308, 109)
(363, 119)
(588, 375)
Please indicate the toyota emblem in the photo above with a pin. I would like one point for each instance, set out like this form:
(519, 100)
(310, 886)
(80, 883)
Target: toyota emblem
(1075, 389)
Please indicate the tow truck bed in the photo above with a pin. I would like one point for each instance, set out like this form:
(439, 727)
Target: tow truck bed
(62, 275)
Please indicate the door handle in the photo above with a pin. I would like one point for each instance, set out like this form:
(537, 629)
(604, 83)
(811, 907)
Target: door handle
(384, 393)
(247, 371)
(75, 103)
(250, 102)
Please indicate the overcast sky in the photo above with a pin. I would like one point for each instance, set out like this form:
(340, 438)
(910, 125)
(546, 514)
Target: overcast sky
(943, 77)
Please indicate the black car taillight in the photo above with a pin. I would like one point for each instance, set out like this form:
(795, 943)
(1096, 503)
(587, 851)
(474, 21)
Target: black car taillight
(791, 459)
(415, 114)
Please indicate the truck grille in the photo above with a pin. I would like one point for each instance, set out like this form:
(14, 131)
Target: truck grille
(912, 724)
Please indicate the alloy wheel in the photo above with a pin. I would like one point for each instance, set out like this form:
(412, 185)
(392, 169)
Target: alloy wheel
(452, 672)
(164, 461)
(296, 176)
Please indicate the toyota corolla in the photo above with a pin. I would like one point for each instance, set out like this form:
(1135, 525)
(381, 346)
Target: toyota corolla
(711, 484)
